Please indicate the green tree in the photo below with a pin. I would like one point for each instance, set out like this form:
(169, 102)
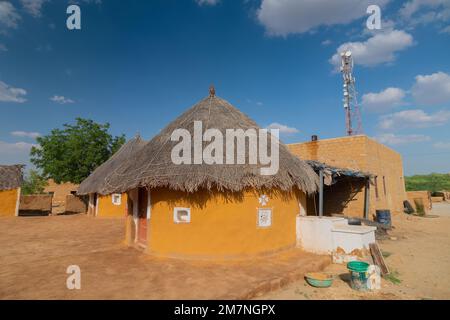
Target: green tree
(34, 183)
(72, 153)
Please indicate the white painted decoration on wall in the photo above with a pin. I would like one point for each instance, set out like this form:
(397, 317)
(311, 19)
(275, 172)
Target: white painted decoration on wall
(264, 218)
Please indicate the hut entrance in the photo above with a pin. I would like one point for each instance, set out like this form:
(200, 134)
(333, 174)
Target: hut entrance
(142, 216)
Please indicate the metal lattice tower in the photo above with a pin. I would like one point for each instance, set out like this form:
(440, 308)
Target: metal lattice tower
(352, 113)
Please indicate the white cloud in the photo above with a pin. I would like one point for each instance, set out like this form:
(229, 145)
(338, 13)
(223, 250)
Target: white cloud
(10, 94)
(384, 100)
(33, 7)
(446, 30)
(207, 2)
(414, 119)
(425, 11)
(432, 89)
(284, 17)
(380, 48)
(26, 134)
(284, 129)
(17, 147)
(61, 99)
(326, 42)
(442, 145)
(392, 139)
(3, 48)
(8, 15)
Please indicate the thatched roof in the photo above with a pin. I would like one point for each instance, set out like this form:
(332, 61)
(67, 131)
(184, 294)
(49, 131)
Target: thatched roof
(11, 177)
(332, 173)
(95, 181)
(152, 166)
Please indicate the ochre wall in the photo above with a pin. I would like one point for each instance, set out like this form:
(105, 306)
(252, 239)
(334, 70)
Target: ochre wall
(363, 154)
(386, 163)
(343, 196)
(221, 226)
(424, 196)
(109, 210)
(60, 191)
(8, 202)
(346, 195)
(76, 204)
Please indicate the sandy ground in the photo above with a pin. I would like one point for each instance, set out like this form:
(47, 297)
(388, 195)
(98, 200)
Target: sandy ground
(36, 251)
(419, 257)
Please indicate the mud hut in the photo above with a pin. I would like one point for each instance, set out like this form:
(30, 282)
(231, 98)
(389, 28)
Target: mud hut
(11, 178)
(108, 204)
(211, 209)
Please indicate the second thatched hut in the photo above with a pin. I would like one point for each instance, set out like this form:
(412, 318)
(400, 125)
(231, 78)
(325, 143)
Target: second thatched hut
(108, 204)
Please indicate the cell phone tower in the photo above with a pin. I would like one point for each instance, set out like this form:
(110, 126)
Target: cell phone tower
(352, 113)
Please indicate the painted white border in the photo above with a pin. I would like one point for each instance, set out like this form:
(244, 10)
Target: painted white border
(116, 203)
(18, 202)
(134, 198)
(257, 218)
(97, 204)
(91, 204)
(303, 212)
(149, 205)
(175, 219)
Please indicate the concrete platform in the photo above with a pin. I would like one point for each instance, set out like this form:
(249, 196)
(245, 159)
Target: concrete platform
(323, 235)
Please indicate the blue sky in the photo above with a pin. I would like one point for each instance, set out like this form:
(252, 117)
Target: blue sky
(139, 64)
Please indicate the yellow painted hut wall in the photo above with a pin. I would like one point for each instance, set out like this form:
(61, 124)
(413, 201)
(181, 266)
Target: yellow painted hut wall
(220, 225)
(8, 202)
(107, 209)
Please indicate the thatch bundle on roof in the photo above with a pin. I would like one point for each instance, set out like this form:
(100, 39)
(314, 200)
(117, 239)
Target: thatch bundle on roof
(152, 166)
(11, 177)
(94, 183)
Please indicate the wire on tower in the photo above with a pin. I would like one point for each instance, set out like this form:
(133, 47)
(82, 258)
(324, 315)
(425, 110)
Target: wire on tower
(352, 113)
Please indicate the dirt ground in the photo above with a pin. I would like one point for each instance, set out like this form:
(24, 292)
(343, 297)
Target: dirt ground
(36, 251)
(419, 257)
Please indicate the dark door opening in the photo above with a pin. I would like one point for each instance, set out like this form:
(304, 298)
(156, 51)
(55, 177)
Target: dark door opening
(142, 216)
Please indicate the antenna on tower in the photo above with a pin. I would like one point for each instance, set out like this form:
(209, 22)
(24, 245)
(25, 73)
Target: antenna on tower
(352, 113)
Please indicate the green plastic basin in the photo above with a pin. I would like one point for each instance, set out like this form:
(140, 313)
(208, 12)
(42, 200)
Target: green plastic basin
(319, 280)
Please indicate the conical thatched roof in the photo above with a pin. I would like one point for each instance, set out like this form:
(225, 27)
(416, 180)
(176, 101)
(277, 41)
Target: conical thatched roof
(11, 177)
(152, 166)
(94, 183)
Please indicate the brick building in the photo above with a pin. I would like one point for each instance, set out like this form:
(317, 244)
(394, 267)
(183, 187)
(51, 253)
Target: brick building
(358, 153)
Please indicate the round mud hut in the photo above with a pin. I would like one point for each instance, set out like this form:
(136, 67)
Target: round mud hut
(113, 205)
(212, 199)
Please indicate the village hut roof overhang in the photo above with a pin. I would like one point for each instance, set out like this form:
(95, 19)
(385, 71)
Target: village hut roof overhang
(152, 166)
(11, 177)
(94, 183)
(332, 174)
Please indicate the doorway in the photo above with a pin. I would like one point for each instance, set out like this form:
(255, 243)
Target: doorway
(142, 216)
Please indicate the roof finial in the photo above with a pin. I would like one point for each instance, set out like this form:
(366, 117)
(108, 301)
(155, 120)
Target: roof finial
(212, 91)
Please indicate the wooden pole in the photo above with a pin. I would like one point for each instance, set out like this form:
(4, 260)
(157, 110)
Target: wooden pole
(367, 199)
(321, 194)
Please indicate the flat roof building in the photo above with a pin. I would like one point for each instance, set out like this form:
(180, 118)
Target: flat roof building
(358, 153)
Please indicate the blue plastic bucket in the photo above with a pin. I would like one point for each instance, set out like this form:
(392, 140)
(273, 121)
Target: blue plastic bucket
(384, 217)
